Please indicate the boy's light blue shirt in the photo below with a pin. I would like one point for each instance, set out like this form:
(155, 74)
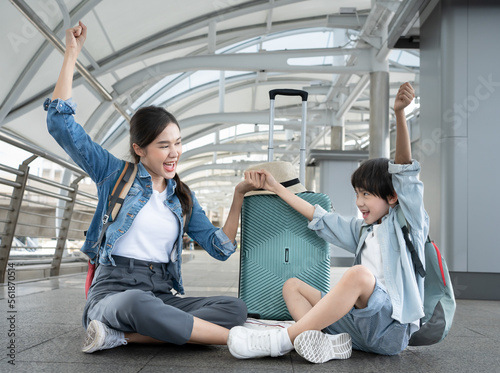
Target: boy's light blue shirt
(104, 168)
(406, 294)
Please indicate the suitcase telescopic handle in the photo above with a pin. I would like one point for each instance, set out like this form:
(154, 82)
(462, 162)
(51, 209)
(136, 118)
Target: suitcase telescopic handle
(270, 150)
(288, 92)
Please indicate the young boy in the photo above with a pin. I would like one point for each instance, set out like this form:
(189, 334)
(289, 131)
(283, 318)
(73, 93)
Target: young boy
(377, 303)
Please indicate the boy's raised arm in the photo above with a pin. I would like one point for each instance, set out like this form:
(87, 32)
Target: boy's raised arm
(404, 97)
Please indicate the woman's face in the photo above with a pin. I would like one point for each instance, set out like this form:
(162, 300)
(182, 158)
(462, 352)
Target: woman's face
(161, 156)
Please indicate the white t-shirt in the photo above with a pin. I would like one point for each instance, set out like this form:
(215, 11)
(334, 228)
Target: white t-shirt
(371, 255)
(153, 233)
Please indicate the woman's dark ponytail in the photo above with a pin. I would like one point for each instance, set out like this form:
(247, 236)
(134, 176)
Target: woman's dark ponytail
(184, 194)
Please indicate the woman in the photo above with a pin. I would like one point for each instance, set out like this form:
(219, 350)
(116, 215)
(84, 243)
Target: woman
(131, 298)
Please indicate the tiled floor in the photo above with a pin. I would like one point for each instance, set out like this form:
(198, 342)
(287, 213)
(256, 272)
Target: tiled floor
(48, 335)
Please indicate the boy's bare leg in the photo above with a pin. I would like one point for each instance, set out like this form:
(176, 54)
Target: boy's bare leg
(299, 297)
(312, 314)
(354, 289)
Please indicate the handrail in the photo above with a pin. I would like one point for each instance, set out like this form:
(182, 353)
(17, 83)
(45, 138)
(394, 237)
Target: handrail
(48, 194)
(12, 170)
(9, 139)
(50, 182)
(40, 224)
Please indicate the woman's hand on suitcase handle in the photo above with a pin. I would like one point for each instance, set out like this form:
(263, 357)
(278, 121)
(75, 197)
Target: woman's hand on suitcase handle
(270, 184)
(254, 180)
(230, 227)
(262, 180)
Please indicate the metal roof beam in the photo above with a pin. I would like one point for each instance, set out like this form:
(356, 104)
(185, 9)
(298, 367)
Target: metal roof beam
(54, 40)
(215, 179)
(228, 119)
(248, 83)
(404, 18)
(192, 25)
(225, 37)
(228, 37)
(350, 126)
(235, 166)
(276, 61)
(39, 57)
(253, 147)
(319, 118)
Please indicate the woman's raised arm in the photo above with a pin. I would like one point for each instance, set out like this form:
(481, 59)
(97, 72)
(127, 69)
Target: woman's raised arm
(75, 37)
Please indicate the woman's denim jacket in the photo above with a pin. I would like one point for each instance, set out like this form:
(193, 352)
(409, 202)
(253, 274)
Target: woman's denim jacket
(406, 294)
(103, 168)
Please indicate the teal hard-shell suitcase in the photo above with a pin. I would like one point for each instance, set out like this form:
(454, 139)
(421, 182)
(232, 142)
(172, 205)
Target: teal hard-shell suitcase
(276, 244)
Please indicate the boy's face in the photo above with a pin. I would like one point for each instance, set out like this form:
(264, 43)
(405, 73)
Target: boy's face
(372, 207)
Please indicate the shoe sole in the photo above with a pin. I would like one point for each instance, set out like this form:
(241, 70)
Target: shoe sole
(92, 337)
(317, 347)
(265, 324)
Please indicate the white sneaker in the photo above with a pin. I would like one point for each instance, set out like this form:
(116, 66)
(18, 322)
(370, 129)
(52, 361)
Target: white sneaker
(267, 324)
(245, 343)
(318, 347)
(100, 337)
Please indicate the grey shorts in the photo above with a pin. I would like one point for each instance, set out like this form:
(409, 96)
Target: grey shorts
(372, 328)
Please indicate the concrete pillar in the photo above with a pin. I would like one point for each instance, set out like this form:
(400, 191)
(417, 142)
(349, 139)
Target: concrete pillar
(459, 87)
(311, 179)
(379, 114)
(337, 137)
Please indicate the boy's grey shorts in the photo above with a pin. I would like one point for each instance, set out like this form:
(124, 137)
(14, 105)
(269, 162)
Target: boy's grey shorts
(135, 296)
(372, 328)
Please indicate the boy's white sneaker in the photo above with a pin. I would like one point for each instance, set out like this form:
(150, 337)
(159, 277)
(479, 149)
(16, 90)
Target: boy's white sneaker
(245, 343)
(100, 337)
(318, 347)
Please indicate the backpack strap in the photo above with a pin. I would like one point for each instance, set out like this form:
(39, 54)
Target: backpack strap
(116, 198)
(419, 267)
(120, 191)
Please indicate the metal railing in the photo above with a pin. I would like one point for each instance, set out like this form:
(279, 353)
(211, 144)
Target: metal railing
(35, 209)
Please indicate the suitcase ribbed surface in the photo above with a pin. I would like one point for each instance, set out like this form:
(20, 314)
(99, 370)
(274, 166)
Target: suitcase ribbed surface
(275, 246)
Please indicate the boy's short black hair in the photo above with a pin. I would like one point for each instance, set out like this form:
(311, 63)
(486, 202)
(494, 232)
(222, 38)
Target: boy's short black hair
(374, 177)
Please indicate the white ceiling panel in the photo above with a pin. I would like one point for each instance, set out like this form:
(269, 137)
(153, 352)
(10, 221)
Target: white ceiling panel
(146, 38)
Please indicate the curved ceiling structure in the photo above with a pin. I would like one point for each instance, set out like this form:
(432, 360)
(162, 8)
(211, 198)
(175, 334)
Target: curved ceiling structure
(210, 63)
